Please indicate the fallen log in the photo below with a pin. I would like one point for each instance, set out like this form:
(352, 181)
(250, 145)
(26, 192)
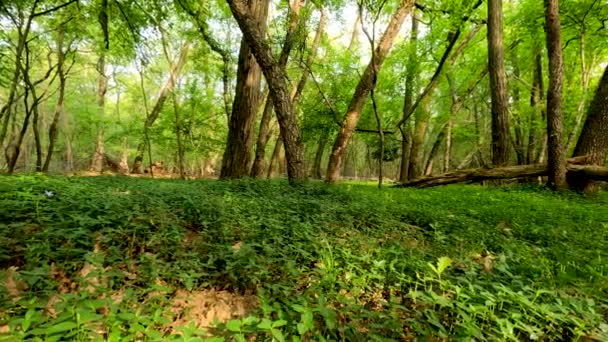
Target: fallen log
(574, 167)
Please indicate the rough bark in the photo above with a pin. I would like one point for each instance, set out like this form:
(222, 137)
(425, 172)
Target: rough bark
(363, 89)
(164, 92)
(556, 156)
(498, 85)
(257, 170)
(277, 82)
(237, 154)
(593, 140)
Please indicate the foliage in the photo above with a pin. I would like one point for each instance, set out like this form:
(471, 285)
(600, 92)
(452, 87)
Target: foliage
(345, 262)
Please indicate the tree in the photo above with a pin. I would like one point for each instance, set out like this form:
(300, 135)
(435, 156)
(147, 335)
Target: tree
(498, 85)
(363, 89)
(237, 155)
(277, 83)
(593, 141)
(556, 154)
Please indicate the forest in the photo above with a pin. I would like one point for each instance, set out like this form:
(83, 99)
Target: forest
(389, 170)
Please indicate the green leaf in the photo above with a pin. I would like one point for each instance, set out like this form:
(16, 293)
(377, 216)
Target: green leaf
(61, 328)
(279, 323)
(278, 335)
(234, 325)
(442, 264)
(302, 328)
(266, 324)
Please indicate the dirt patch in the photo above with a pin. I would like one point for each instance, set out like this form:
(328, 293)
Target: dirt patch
(13, 285)
(204, 307)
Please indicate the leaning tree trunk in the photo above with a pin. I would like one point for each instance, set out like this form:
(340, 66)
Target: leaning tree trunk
(498, 85)
(158, 106)
(362, 91)
(556, 155)
(257, 170)
(277, 83)
(237, 154)
(593, 140)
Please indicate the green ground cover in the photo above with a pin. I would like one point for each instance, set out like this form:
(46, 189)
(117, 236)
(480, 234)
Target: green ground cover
(106, 258)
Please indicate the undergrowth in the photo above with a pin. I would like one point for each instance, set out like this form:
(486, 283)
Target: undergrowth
(101, 258)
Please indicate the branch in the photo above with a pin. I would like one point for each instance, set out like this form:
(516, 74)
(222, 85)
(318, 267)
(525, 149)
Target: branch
(54, 9)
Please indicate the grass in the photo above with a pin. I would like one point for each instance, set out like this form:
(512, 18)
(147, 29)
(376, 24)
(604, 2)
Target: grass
(336, 263)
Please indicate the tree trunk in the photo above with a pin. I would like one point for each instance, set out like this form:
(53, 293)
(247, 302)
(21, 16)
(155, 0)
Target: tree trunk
(316, 171)
(536, 97)
(363, 89)
(406, 147)
(586, 172)
(498, 85)
(428, 170)
(556, 156)
(257, 169)
(168, 87)
(277, 82)
(417, 152)
(580, 111)
(408, 102)
(60, 99)
(274, 160)
(97, 160)
(593, 140)
(237, 155)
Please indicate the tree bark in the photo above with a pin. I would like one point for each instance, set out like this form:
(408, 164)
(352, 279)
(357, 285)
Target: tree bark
(168, 87)
(60, 99)
(408, 102)
(556, 155)
(274, 159)
(102, 87)
(316, 171)
(593, 140)
(428, 170)
(277, 82)
(498, 85)
(363, 89)
(416, 169)
(536, 97)
(257, 169)
(237, 155)
(574, 169)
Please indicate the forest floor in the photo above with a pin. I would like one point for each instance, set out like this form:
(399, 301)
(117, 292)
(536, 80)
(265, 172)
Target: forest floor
(119, 258)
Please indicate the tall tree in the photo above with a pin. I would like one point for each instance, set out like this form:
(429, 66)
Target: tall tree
(277, 83)
(556, 155)
(593, 141)
(498, 85)
(408, 102)
(363, 89)
(167, 88)
(237, 155)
